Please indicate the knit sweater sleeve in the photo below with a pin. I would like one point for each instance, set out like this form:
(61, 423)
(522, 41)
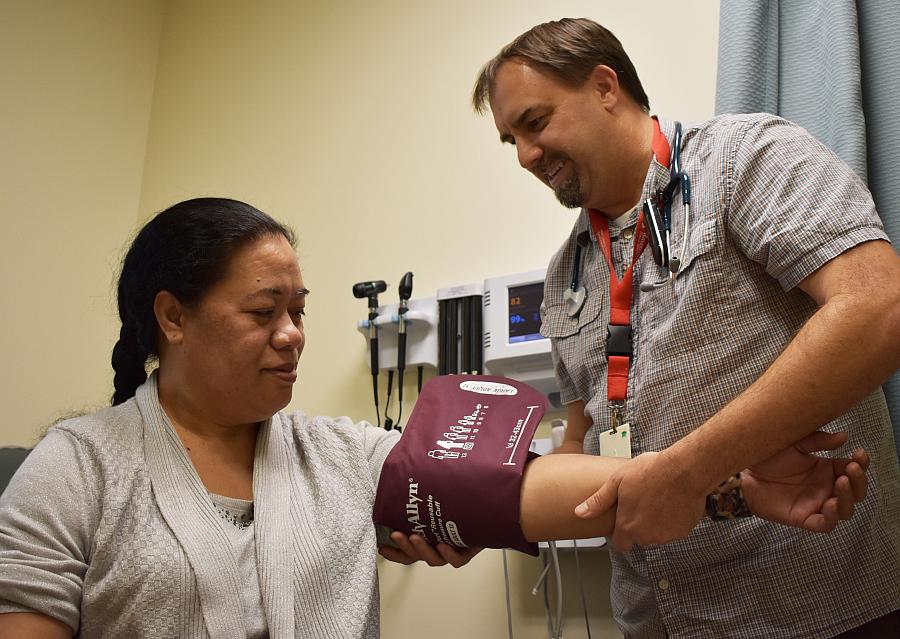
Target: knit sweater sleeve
(48, 515)
(375, 443)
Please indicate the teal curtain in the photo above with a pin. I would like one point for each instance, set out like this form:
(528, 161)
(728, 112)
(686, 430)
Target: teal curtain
(832, 66)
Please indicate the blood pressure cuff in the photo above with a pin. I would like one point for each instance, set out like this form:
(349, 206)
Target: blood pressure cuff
(456, 473)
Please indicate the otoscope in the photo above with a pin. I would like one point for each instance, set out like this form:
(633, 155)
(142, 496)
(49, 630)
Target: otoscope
(371, 290)
(405, 288)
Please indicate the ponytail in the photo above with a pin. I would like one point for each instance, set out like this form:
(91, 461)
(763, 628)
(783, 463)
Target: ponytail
(128, 361)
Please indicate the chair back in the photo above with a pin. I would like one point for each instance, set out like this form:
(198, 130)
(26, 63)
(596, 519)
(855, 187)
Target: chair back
(11, 457)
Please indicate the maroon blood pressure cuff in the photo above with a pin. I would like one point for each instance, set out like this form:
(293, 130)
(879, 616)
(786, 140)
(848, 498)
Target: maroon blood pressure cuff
(456, 473)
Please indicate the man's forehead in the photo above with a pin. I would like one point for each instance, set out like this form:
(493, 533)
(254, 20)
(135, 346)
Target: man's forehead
(511, 79)
(518, 86)
(515, 94)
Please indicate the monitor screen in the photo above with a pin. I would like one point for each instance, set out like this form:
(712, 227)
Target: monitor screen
(525, 312)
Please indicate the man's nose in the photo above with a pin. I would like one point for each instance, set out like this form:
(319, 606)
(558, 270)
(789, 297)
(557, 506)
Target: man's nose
(529, 155)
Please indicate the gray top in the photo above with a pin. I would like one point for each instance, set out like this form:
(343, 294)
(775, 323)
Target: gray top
(108, 528)
(237, 519)
(770, 205)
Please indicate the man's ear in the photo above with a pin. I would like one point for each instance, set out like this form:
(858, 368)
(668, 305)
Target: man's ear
(605, 83)
(170, 316)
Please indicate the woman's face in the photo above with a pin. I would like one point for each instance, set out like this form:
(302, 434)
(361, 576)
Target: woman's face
(241, 343)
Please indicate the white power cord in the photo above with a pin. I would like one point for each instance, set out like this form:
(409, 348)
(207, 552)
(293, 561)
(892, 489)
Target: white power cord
(587, 622)
(552, 561)
(559, 590)
(508, 605)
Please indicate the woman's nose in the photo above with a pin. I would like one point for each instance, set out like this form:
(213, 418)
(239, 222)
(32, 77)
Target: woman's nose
(287, 335)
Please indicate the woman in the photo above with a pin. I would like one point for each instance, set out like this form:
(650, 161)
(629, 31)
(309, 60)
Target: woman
(193, 508)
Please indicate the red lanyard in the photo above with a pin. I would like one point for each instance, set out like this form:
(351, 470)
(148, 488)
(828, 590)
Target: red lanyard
(621, 293)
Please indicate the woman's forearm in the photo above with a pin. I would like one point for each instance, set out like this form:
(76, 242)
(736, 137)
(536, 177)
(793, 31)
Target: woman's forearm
(553, 485)
(32, 625)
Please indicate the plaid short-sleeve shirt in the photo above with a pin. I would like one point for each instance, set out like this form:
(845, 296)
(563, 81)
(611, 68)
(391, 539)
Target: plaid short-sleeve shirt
(770, 205)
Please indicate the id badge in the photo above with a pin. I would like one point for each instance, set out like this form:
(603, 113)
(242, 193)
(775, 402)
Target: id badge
(616, 443)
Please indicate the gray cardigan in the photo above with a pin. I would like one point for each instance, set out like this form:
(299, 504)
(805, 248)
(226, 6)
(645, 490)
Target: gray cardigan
(108, 528)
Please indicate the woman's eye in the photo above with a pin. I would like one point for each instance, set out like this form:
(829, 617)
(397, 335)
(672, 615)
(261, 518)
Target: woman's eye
(298, 314)
(262, 312)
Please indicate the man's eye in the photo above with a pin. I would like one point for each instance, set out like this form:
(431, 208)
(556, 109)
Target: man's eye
(298, 314)
(262, 312)
(537, 123)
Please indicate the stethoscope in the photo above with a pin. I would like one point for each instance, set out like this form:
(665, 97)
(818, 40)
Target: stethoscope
(657, 211)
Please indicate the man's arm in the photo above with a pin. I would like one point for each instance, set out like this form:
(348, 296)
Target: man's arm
(847, 349)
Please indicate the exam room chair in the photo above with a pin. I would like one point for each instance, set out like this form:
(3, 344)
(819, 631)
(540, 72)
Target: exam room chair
(11, 457)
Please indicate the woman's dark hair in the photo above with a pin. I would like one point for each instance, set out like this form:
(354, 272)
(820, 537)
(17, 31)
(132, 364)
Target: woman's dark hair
(567, 49)
(185, 250)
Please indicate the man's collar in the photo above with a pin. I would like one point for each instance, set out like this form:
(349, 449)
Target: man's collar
(584, 233)
(657, 177)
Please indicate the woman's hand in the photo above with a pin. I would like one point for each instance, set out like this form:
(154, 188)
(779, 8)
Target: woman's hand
(796, 488)
(414, 548)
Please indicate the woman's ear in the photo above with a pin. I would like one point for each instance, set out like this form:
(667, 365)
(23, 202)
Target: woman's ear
(169, 315)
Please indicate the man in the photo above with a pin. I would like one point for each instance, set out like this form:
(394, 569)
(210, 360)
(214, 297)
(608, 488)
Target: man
(777, 313)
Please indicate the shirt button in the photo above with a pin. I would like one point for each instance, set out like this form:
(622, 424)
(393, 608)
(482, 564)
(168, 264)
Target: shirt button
(663, 584)
(628, 234)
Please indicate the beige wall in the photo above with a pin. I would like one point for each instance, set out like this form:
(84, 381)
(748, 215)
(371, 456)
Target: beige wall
(77, 83)
(349, 120)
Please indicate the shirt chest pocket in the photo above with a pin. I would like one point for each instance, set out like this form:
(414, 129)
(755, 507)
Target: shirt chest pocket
(686, 311)
(579, 340)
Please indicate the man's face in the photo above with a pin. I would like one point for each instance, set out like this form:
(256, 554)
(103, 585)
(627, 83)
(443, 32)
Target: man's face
(565, 136)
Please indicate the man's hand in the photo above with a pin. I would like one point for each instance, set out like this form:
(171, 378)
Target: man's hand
(415, 548)
(796, 488)
(655, 502)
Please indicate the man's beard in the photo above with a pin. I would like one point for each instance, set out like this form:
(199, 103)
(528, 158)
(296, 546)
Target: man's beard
(569, 193)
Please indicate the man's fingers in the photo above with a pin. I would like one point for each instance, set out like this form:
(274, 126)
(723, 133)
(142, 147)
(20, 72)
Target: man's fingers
(600, 501)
